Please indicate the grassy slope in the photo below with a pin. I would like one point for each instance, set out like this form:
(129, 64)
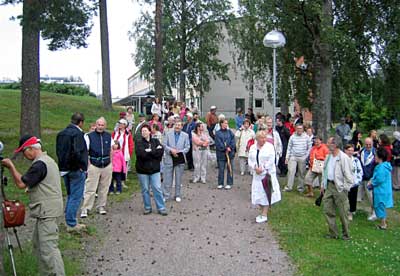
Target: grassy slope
(56, 111)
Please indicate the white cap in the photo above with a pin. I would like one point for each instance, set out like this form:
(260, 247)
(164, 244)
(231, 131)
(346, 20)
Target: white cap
(123, 121)
(213, 107)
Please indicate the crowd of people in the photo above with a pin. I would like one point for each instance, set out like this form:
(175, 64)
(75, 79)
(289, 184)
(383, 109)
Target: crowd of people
(170, 138)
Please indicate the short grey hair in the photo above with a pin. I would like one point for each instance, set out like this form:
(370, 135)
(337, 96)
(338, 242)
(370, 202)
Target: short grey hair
(336, 140)
(102, 119)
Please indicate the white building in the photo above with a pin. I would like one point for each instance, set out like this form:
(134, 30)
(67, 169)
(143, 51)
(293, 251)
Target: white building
(228, 96)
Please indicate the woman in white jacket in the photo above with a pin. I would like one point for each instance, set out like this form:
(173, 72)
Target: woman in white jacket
(243, 135)
(157, 108)
(262, 161)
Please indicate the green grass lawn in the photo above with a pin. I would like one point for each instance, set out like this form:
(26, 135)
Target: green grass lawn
(56, 111)
(301, 227)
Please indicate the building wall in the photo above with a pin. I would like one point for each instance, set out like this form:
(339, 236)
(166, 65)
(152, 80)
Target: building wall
(136, 83)
(223, 94)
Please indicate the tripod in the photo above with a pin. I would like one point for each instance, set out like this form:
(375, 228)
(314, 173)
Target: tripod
(4, 181)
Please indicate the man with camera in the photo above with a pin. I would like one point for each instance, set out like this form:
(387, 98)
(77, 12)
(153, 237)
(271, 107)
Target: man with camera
(42, 182)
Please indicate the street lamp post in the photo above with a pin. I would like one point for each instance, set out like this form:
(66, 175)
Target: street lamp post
(185, 73)
(274, 39)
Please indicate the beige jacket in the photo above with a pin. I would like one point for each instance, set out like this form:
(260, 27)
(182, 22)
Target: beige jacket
(343, 172)
(242, 138)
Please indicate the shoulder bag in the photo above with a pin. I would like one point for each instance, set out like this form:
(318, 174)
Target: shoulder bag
(318, 166)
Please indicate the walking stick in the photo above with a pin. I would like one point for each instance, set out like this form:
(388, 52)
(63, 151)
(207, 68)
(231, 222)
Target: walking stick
(229, 163)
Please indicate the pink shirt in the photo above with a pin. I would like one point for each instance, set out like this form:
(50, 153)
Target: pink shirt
(198, 140)
(118, 162)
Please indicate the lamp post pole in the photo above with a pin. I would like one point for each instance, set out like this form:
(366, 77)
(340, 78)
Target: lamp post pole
(274, 89)
(274, 39)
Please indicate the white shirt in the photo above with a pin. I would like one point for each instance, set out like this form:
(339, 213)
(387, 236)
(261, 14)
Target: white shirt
(331, 167)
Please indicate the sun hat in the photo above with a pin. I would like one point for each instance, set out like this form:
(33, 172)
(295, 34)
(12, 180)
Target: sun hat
(26, 141)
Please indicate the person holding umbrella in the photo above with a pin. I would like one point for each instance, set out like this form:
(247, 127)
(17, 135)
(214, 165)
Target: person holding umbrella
(265, 186)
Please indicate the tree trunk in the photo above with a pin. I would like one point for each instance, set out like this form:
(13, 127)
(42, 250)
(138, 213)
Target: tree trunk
(182, 65)
(284, 107)
(105, 56)
(158, 76)
(322, 74)
(30, 83)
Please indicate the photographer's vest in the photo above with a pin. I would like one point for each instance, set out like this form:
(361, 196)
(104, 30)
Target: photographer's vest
(46, 197)
(99, 149)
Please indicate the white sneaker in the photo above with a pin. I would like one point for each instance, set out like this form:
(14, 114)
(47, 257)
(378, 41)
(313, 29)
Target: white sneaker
(372, 217)
(84, 213)
(228, 187)
(242, 173)
(178, 199)
(350, 216)
(102, 211)
(220, 186)
(261, 219)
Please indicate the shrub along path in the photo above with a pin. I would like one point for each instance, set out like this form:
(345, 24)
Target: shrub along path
(211, 232)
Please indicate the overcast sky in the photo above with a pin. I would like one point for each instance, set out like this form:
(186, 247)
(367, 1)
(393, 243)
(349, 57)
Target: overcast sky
(83, 62)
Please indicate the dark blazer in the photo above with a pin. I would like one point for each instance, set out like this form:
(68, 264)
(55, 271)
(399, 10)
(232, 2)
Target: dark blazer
(224, 139)
(71, 149)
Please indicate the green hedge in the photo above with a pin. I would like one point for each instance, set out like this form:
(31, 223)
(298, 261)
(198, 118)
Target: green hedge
(67, 89)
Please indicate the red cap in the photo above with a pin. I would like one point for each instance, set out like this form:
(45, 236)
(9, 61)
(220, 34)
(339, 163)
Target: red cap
(26, 141)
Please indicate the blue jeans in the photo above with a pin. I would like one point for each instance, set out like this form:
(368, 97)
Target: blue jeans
(221, 173)
(74, 184)
(154, 180)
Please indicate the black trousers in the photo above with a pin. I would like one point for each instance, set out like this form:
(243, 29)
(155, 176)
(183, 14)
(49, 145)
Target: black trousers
(189, 158)
(353, 198)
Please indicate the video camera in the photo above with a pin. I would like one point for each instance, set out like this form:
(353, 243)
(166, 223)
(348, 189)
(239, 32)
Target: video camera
(1, 150)
(12, 213)
(3, 179)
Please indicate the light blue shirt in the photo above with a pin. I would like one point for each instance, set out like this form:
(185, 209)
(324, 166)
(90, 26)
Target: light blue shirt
(331, 167)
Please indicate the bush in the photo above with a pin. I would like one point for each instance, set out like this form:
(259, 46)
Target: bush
(58, 88)
(372, 117)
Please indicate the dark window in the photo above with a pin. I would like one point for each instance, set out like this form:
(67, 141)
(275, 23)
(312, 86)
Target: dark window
(259, 103)
(240, 104)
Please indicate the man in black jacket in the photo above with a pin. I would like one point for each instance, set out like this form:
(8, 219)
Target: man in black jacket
(284, 134)
(73, 163)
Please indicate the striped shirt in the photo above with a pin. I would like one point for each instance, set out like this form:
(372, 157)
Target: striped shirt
(299, 146)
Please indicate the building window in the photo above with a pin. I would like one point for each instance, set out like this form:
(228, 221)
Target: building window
(240, 103)
(259, 103)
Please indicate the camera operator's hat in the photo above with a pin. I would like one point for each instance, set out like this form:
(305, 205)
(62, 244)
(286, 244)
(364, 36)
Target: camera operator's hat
(26, 141)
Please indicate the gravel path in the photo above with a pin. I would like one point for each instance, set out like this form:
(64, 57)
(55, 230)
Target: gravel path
(211, 232)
